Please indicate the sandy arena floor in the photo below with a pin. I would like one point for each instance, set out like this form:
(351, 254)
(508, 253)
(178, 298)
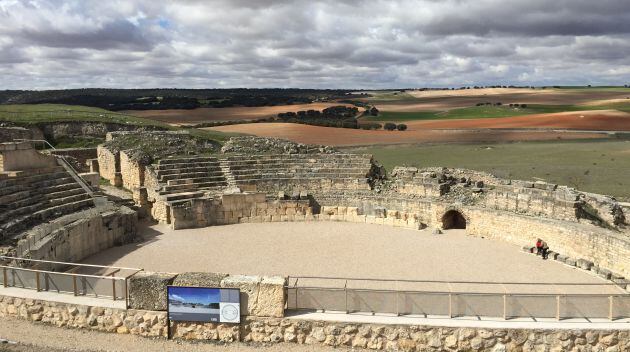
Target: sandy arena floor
(351, 250)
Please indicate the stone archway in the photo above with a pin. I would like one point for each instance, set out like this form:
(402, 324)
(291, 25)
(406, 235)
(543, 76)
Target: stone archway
(453, 219)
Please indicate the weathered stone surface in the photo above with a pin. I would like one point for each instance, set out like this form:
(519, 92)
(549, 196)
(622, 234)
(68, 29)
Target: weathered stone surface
(196, 279)
(275, 330)
(147, 290)
(260, 296)
(584, 264)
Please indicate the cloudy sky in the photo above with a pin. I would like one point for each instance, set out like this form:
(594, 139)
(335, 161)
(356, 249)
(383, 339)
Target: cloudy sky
(312, 44)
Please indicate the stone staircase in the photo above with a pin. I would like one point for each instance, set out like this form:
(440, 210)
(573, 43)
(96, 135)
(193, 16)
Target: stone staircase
(227, 172)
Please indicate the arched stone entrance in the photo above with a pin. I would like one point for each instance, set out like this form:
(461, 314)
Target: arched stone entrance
(453, 219)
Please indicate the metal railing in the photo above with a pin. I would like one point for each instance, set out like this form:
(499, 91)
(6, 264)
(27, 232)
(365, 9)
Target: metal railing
(98, 281)
(458, 298)
(66, 165)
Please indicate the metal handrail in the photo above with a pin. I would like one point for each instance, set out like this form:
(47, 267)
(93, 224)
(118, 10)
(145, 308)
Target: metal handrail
(119, 278)
(453, 282)
(461, 293)
(66, 263)
(67, 164)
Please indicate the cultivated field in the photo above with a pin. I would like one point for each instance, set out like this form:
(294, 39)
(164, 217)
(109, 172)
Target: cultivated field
(223, 114)
(411, 101)
(415, 134)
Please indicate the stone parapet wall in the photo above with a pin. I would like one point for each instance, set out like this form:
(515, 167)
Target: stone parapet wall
(22, 156)
(293, 330)
(77, 236)
(607, 248)
(261, 296)
(232, 209)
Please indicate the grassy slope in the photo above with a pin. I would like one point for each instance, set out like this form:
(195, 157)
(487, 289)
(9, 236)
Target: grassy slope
(28, 114)
(595, 166)
(37, 113)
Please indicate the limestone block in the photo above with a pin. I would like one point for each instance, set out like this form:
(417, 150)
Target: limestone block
(92, 178)
(260, 296)
(147, 290)
(198, 279)
(570, 261)
(604, 273)
(584, 264)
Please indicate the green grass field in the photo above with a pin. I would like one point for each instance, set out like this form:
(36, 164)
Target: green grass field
(36, 113)
(594, 166)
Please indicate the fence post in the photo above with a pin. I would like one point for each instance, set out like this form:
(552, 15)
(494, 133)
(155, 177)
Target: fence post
(5, 277)
(397, 308)
(74, 284)
(558, 307)
(345, 290)
(37, 286)
(504, 307)
(610, 308)
(113, 286)
(450, 305)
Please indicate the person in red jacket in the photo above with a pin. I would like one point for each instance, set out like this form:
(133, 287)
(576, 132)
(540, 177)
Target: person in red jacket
(539, 246)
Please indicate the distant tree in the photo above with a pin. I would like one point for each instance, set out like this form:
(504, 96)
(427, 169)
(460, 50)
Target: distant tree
(523, 105)
(389, 126)
(401, 127)
(374, 111)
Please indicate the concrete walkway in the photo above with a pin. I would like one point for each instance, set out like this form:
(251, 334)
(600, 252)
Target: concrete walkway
(472, 322)
(61, 298)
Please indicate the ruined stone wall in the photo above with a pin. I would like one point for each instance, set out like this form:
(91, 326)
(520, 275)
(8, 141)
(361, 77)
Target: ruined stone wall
(77, 236)
(109, 165)
(310, 185)
(607, 248)
(21, 156)
(77, 156)
(541, 199)
(10, 133)
(293, 330)
(132, 171)
(235, 208)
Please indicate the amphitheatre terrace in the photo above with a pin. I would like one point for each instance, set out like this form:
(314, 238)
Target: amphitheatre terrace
(300, 228)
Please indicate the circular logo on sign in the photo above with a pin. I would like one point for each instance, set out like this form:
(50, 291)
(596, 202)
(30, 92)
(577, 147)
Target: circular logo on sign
(229, 312)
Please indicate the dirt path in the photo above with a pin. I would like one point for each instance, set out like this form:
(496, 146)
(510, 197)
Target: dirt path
(32, 337)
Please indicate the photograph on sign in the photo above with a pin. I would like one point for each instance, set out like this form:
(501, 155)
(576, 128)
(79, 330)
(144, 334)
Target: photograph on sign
(202, 304)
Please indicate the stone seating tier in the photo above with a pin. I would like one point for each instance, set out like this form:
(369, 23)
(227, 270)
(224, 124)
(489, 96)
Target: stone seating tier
(179, 160)
(195, 180)
(31, 198)
(188, 174)
(192, 187)
(186, 164)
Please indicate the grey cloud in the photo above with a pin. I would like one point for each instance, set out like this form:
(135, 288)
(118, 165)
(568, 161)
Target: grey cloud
(326, 44)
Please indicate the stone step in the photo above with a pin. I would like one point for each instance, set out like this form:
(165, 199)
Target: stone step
(305, 171)
(169, 161)
(182, 196)
(210, 165)
(192, 187)
(69, 200)
(184, 181)
(300, 175)
(189, 174)
(71, 190)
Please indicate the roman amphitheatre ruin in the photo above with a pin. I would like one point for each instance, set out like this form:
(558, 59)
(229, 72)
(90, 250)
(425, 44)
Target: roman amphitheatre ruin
(325, 246)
